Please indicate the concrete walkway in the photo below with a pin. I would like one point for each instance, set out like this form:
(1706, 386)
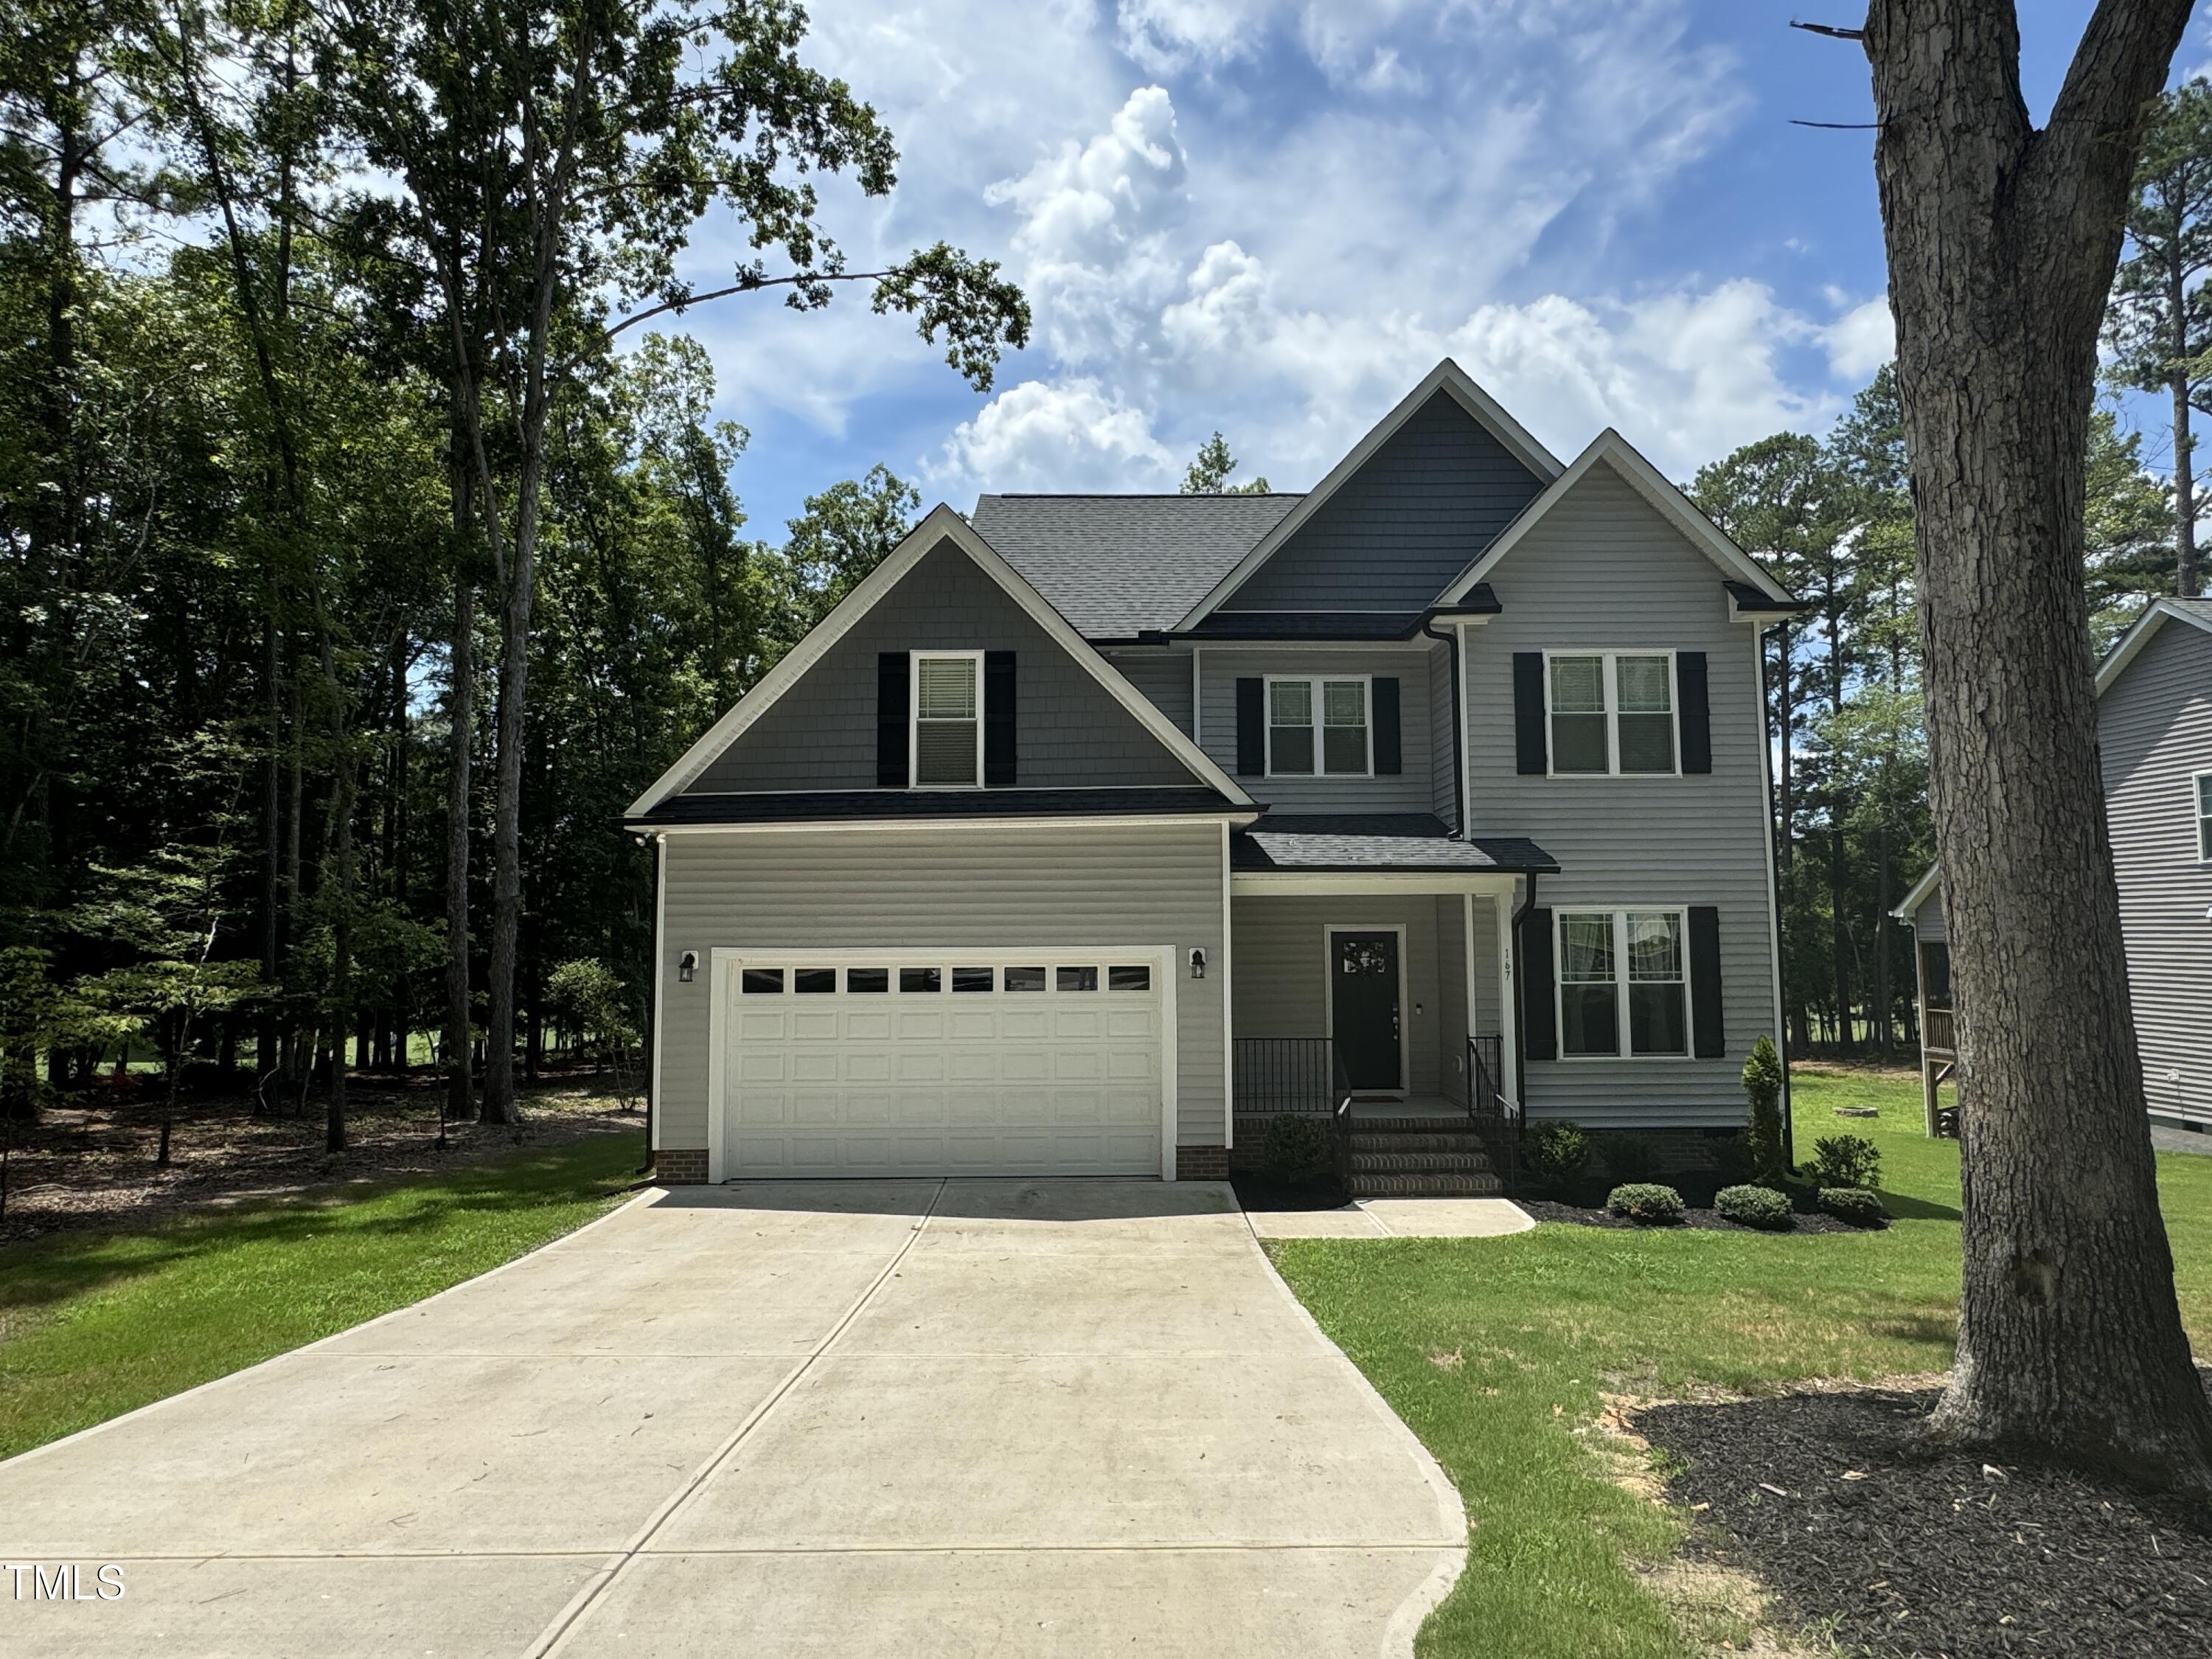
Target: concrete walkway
(856, 1418)
(1398, 1217)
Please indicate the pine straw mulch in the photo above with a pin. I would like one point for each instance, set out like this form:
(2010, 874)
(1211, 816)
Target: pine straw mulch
(1828, 1501)
(1694, 1218)
(88, 1161)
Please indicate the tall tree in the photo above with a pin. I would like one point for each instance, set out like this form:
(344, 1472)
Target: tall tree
(2003, 239)
(2158, 324)
(611, 127)
(1211, 470)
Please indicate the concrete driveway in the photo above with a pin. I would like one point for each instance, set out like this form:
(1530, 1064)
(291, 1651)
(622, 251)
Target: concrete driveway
(919, 1418)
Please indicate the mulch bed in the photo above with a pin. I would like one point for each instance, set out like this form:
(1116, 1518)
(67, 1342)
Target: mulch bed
(1829, 1500)
(1579, 1215)
(1256, 1192)
(88, 1161)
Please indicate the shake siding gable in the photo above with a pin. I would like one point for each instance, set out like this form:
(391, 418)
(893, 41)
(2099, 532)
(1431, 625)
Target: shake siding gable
(1396, 531)
(2154, 731)
(1162, 676)
(821, 734)
(1604, 570)
(1050, 887)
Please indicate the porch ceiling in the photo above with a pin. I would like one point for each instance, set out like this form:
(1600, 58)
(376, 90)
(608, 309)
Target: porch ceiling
(1377, 841)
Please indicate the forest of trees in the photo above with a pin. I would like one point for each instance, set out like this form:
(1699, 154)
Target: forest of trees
(365, 553)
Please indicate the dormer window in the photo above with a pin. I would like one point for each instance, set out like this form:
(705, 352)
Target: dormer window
(1319, 726)
(948, 719)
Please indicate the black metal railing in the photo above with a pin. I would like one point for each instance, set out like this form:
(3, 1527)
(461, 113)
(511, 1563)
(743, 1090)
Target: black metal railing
(1340, 1083)
(1496, 1119)
(1286, 1074)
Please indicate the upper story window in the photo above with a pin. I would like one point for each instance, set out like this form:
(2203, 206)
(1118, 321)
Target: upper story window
(2202, 784)
(1611, 712)
(948, 719)
(1319, 726)
(1599, 1004)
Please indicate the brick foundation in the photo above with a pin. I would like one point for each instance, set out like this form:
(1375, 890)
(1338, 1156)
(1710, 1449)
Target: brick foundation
(1674, 1152)
(1201, 1163)
(683, 1166)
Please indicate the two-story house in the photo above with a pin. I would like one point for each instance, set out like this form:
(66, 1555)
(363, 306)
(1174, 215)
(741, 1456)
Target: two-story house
(1085, 835)
(2155, 744)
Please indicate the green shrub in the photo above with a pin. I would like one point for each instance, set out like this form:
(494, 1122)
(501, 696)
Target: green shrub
(1855, 1204)
(1555, 1154)
(1846, 1161)
(1732, 1161)
(1752, 1207)
(1626, 1158)
(1297, 1148)
(1762, 1087)
(1654, 1207)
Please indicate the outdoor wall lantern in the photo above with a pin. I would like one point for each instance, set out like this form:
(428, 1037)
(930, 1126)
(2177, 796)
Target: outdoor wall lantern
(1197, 962)
(688, 967)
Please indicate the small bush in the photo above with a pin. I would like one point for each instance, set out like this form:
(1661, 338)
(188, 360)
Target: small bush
(1654, 1207)
(1846, 1161)
(1752, 1207)
(1762, 1087)
(1297, 1149)
(1855, 1204)
(1629, 1159)
(1555, 1154)
(1732, 1161)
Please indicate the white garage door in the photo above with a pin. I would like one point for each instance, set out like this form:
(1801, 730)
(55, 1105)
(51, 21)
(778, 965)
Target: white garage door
(985, 1063)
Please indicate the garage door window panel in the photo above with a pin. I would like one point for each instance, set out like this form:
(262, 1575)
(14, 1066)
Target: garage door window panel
(761, 982)
(867, 981)
(913, 980)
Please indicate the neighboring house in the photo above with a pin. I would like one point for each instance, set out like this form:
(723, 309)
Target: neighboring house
(1084, 837)
(2154, 735)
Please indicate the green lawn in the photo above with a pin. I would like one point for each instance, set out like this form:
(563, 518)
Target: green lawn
(1497, 1350)
(95, 1324)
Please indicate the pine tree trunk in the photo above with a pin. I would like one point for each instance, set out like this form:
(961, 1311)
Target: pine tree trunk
(499, 1098)
(461, 711)
(2185, 491)
(272, 856)
(2002, 244)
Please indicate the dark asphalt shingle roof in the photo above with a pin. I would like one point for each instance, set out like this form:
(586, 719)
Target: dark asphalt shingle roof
(837, 806)
(1115, 565)
(1377, 840)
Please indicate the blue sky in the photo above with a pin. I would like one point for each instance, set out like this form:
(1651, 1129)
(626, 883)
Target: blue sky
(1272, 218)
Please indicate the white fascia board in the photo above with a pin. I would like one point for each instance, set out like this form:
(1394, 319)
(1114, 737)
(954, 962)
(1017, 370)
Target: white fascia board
(1446, 377)
(1616, 452)
(1234, 819)
(2197, 613)
(943, 524)
(1909, 904)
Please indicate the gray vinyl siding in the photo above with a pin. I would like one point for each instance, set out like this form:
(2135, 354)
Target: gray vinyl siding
(1603, 570)
(1443, 796)
(1162, 676)
(1395, 534)
(1928, 919)
(1282, 969)
(1065, 885)
(2154, 728)
(1409, 791)
(1069, 733)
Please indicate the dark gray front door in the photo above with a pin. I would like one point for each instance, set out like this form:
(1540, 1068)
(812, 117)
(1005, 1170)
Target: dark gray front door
(1362, 978)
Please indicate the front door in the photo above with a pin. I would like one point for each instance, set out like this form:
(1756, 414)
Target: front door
(1363, 977)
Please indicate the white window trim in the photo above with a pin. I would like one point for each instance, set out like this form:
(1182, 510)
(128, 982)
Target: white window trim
(1609, 685)
(2200, 814)
(1619, 912)
(1366, 683)
(914, 662)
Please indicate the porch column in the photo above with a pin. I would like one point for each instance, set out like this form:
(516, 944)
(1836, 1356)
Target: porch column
(1508, 1024)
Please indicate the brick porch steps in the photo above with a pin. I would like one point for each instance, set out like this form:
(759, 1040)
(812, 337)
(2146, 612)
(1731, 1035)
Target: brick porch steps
(1406, 1162)
(1425, 1185)
(1420, 1158)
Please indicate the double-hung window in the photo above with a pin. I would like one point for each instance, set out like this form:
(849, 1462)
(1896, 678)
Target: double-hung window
(1611, 712)
(1623, 987)
(948, 719)
(1319, 726)
(2201, 784)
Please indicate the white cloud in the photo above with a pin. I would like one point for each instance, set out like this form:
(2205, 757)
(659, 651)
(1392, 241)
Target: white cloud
(1860, 341)
(1049, 435)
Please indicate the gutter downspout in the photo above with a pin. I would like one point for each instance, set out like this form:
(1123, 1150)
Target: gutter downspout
(1459, 738)
(653, 999)
(1520, 1001)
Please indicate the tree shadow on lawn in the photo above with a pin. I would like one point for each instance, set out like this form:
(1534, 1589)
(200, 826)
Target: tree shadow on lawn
(43, 1271)
(1902, 1206)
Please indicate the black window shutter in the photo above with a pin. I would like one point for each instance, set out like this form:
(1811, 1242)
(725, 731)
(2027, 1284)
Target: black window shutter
(1539, 1033)
(1696, 717)
(891, 679)
(1385, 716)
(1705, 982)
(999, 727)
(1531, 754)
(1251, 727)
